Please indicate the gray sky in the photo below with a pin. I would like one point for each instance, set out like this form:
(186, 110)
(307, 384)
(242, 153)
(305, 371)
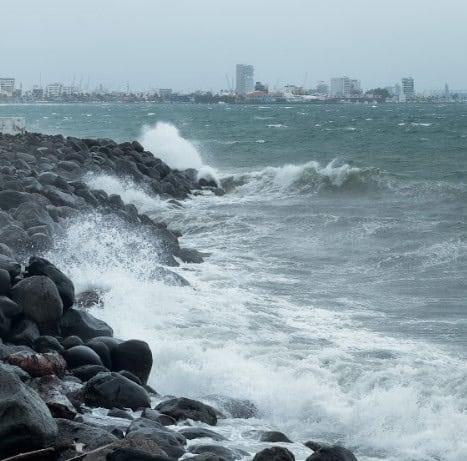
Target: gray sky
(191, 44)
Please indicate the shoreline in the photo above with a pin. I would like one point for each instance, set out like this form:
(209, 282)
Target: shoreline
(59, 365)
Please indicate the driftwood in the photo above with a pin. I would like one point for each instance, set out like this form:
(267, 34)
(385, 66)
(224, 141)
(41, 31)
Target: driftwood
(36, 454)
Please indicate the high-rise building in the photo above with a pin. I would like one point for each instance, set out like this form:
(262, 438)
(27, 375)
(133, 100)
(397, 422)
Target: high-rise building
(408, 87)
(244, 79)
(340, 87)
(54, 90)
(7, 87)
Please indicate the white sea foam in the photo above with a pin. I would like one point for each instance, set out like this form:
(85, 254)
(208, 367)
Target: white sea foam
(312, 372)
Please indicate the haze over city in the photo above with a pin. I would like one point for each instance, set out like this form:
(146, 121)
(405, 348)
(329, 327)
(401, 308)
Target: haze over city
(188, 45)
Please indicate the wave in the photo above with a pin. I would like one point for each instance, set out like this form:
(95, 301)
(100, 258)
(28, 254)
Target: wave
(310, 177)
(165, 142)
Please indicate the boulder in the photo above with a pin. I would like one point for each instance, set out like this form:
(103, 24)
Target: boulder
(222, 452)
(122, 414)
(37, 365)
(39, 299)
(71, 341)
(200, 433)
(86, 372)
(329, 453)
(12, 199)
(24, 331)
(8, 307)
(47, 344)
(10, 265)
(134, 356)
(5, 282)
(32, 214)
(274, 454)
(111, 390)
(84, 325)
(66, 289)
(103, 352)
(25, 423)
(71, 432)
(158, 417)
(168, 441)
(78, 356)
(184, 408)
(53, 392)
(6, 251)
(273, 437)
(133, 454)
(15, 237)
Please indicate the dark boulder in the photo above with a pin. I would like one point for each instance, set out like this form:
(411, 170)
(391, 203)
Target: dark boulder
(15, 237)
(133, 454)
(24, 331)
(329, 453)
(5, 282)
(134, 356)
(71, 341)
(12, 199)
(33, 214)
(81, 355)
(103, 352)
(223, 452)
(80, 323)
(86, 372)
(39, 299)
(47, 344)
(200, 433)
(71, 432)
(168, 441)
(10, 265)
(8, 307)
(273, 437)
(66, 289)
(184, 408)
(274, 454)
(158, 417)
(25, 423)
(111, 390)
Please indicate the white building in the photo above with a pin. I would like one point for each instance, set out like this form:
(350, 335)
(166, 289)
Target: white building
(408, 87)
(340, 87)
(53, 90)
(245, 82)
(7, 87)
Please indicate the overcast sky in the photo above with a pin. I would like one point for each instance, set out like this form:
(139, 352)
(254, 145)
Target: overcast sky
(193, 44)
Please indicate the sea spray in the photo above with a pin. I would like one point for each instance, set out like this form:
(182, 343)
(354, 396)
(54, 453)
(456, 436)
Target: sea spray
(164, 141)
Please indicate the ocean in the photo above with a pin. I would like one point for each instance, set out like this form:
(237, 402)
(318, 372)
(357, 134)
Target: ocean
(335, 294)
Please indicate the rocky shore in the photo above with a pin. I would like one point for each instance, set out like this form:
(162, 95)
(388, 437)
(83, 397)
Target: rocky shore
(70, 390)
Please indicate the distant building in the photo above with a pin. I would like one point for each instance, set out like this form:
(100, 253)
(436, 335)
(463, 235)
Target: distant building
(408, 87)
(7, 87)
(244, 83)
(261, 87)
(447, 93)
(53, 90)
(322, 88)
(38, 93)
(165, 93)
(355, 86)
(397, 89)
(340, 87)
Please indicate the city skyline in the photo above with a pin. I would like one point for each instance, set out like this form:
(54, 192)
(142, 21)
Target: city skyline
(190, 45)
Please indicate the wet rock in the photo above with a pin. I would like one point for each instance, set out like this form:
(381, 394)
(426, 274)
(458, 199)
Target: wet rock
(189, 255)
(329, 453)
(220, 451)
(86, 372)
(47, 344)
(235, 408)
(273, 437)
(33, 214)
(53, 392)
(15, 237)
(184, 408)
(24, 331)
(8, 307)
(78, 356)
(10, 265)
(5, 250)
(274, 454)
(168, 441)
(19, 372)
(71, 432)
(39, 299)
(158, 417)
(66, 289)
(199, 433)
(133, 454)
(118, 413)
(5, 283)
(134, 356)
(207, 457)
(25, 423)
(104, 354)
(71, 341)
(38, 364)
(111, 390)
(12, 199)
(79, 323)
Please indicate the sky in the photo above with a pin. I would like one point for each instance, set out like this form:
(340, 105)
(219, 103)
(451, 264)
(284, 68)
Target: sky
(195, 44)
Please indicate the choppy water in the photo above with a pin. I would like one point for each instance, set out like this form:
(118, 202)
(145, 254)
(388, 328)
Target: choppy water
(335, 294)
